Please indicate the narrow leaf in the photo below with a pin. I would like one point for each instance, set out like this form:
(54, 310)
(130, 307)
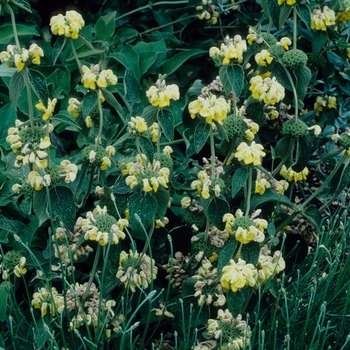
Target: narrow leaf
(166, 121)
(218, 207)
(201, 135)
(57, 48)
(147, 148)
(15, 88)
(89, 101)
(232, 78)
(239, 179)
(38, 84)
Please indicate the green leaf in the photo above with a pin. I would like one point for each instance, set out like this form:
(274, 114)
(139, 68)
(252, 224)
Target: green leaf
(268, 197)
(42, 334)
(57, 48)
(282, 146)
(318, 42)
(7, 120)
(65, 120)
(239, 179)
(284, 14)
(89, 102)
(144, 207)
(130, 59)
(5, 290)
(24, 5)
(105, 27)
(10, 225)
(132, 87)
(227, 253)
(121, 187)
(15, 88)
(63, 205)
(162, 197)
(250, 252)
(201, 135)
(152, 55)
(113, 102)
(336, 60)
(304, 151)
(38, 84)
(232, 78)
(274, 11)
(344, 109)
(175, 62)
(303, 77)
(279, 72)
(217, 208)
(313, 215)
(344, 179)
(147, 148)
(150, 114)
(304, 14)
(6, 71)
(331, 154)
(6, 32)
(236, 300)
(166, 121)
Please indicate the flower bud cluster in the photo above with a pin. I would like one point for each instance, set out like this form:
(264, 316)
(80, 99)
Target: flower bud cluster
(208, 12)
(159, 95)
(47, 110)
(292, 175)
(20, 58)
(136, 270)
(98, 155)
(13, 262)
(206, 185)
(325, 102)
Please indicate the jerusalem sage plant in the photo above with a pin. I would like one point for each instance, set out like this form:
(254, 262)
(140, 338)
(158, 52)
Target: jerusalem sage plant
(142, 207)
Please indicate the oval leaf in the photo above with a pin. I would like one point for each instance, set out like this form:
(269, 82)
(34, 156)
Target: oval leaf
(201, 135)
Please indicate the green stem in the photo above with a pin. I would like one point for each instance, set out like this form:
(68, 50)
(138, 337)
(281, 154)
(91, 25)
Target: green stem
(176, 142)
(91, 182)
(93, 271)
(29, 97)
(212, 152)
(14, 28)
(159, 134)
(295, 23)
(249, 194)
(100, 129)
(75, 54)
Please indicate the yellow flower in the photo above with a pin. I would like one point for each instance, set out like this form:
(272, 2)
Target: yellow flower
(285, 42)
(74, 107)
(89, 78)
(69, 170)
(320, 20)
(263, 58)
(211, 108)
(236, 276)
(251, 37)
(159, 95)
(250, 154)
(106, 163)
(137, 124)
(261, 185)
(292, 175)
(68, 25)
(288, 2)
(267, 90)
(47, 111)
(35, 52)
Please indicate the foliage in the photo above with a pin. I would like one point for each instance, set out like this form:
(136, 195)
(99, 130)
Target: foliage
(165, 187)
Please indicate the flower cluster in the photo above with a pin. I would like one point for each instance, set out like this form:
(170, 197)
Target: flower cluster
(268, 90)
(231, 51)
(292, 175)
(288, 2)
(208, 12)
(148, 177)
(48, 300)
(269, 265)
(205, 185)
(98, 155)
(31, 145)
(68, 25)
(19, 58)
(212, 109)
(47, 110)
(136, 270)
(74, 107)
(207, 289)
(94, 78)
(236, 125)
(263, 58)
(320, 20)
(13, 262)
(262, 183)
(159, 95)
(101, 227)
(324, 102)
(233, 331)
(249, 154)
(176, 273)
(245, 229)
